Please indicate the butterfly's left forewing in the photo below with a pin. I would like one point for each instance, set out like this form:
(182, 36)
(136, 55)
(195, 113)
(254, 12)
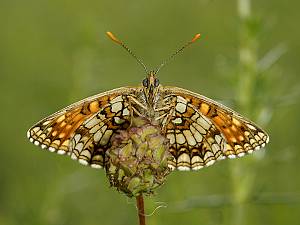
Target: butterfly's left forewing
(202, 131)
(62, 131)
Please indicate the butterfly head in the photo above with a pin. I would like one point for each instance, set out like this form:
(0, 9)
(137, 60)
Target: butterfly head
(151, 83)
(150, 86)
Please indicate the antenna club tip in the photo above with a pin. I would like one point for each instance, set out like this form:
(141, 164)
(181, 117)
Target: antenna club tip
(196, 37)
(112, 37)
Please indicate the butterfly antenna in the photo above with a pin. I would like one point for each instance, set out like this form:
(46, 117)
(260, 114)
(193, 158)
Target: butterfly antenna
(195, 38)
(116, 40)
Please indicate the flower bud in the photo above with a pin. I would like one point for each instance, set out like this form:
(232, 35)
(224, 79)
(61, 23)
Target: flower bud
(138, 158)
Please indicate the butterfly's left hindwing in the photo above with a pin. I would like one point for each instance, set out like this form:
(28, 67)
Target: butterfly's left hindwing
(202, 131)
(60, 132)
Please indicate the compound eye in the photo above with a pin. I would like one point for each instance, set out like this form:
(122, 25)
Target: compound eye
(145, 82)
(156, 82)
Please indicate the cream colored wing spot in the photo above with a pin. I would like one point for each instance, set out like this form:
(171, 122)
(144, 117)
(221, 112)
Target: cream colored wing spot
(116, 107)
(125, 112)
(180, 107)
(181, 100)
(204, 123)
(116, 99)
(180, 139)
(92, 122)
(197, 163)
(118, 120)
(98, 161)
(98, 135)
(250, 126)
(199, 128)
(177, 121)
(218, 139)
(106, 137)
(215, 148)
(96, 166)
(51, 149)
(172, 164)
(61, 152)
(184, 162)
(189, 137)
(96, 128)
(196, 134)
(171, 138)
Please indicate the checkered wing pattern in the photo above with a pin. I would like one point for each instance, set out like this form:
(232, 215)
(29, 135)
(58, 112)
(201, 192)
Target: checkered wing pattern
(83, 129)
(202, 131)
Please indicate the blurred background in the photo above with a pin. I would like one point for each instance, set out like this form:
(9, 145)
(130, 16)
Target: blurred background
(53, 53)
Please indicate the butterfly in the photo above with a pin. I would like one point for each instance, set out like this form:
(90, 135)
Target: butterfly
(200, 130)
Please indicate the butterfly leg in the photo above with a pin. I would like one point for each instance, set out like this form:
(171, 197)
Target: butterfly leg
(167, 120)
(165, 108)
(132, 100)
(168, 110)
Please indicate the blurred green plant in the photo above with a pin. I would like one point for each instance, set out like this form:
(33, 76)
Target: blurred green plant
(243, 172)
(251, 99)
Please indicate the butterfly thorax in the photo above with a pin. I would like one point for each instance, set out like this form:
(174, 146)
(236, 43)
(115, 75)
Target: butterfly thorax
(151, 89)
(148, 98)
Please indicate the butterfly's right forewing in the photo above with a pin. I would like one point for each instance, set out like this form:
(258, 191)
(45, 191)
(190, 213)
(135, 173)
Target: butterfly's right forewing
(61, 131)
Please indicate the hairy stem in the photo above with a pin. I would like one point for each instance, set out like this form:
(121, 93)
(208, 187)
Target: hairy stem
(141, 211)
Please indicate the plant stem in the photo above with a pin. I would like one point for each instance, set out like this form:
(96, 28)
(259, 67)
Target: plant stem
(243, 173)
(141, 211)
(247, 59)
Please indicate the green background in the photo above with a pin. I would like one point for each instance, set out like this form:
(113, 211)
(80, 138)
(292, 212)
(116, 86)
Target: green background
(53, 53)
